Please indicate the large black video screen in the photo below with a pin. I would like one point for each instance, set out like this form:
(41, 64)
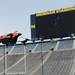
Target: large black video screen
(55, 25)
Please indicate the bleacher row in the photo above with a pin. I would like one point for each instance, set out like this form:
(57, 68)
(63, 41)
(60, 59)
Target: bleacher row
(38, 59)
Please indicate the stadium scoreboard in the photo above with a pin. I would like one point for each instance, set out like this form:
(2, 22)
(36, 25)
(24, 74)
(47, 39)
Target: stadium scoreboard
(53, 24)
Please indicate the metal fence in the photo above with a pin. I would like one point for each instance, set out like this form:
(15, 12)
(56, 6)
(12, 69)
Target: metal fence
(45, 58)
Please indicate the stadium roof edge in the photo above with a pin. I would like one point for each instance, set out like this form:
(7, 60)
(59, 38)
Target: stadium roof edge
(48, 40)
(44, 41)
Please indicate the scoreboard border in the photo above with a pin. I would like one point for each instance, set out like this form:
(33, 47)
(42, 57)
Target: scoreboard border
(55, 11)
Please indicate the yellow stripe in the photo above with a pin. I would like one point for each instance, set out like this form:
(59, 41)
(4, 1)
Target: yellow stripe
(33, 26)
(55, 11)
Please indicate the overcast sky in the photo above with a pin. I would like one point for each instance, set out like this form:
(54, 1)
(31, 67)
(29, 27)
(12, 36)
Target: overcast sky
(15, 14)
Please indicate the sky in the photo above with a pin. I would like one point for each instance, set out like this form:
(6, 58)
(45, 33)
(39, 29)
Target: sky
(15, 14)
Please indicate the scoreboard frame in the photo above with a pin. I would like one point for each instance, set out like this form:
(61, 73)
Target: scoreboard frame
(34, 35)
